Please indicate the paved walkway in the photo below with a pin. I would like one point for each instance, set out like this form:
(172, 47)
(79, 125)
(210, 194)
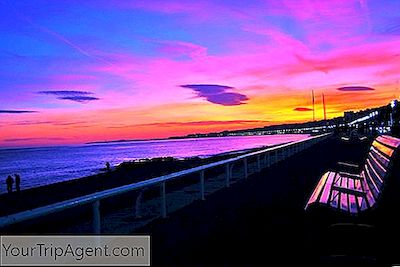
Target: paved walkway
(252, 223)
(125, 221)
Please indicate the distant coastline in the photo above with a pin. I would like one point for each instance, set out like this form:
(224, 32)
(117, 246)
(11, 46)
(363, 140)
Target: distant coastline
(286, 128)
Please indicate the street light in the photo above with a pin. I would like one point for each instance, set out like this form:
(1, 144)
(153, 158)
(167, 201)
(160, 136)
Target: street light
(392, 105)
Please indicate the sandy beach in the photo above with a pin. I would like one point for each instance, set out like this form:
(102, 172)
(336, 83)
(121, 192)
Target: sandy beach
(125, 173)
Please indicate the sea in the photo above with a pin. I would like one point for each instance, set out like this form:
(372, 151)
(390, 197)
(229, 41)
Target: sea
(46, 165)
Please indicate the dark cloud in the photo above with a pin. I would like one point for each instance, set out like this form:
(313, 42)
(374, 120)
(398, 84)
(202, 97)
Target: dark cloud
(31, 139)
(71, 95)
(80, 99)
(24, 123)
(16, 111)
(302, 109)
(355, 88)
(218, 94)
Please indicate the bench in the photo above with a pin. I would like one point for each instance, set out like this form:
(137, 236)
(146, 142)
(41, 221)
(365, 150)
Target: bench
(355, 192)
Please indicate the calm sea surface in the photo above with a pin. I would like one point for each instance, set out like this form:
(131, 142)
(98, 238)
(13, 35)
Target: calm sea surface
(40, 166)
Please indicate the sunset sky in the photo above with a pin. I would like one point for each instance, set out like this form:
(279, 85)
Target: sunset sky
(93, 70)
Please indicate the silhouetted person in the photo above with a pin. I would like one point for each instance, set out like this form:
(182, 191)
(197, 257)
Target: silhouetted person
(9, 182)
(108, 166)
(17, 182)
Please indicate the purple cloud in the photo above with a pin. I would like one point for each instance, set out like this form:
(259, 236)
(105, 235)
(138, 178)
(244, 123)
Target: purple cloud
(72, 95)
(79, 99)
(355, 88)
(16, 111)
(218, 94)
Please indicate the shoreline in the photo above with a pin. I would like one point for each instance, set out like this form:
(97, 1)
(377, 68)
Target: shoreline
(124, 173)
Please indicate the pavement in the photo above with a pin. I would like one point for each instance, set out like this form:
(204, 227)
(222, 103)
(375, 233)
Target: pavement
(260, 221)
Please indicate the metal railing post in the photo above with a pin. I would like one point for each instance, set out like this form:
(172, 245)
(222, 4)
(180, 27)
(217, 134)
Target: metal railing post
(245, 168)
(163, 201)
(202, 185)
(138, 204)
(96, 217)
(227, 175)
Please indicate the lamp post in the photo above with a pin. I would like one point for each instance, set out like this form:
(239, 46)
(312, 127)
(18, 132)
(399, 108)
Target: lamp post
(392, 105)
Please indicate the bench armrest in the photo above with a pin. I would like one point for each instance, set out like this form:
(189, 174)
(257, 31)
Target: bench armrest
(351, 175)
(348, 167)
(348, 164)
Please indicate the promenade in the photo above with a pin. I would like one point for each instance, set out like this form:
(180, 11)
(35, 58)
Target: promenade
(254, 222)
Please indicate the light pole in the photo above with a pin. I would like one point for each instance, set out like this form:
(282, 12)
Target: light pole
(392, 105)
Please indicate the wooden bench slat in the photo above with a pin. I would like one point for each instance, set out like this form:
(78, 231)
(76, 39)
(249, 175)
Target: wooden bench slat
(384, 160)
(368, 192)
(357, 185)
(377, 173)
(391, 141)
(371, 183)
(378, 164)
(315, 195)
(352, 204)
(327, 189)
(362, 203)
(351, 184)
(344, 205)
(383, 149)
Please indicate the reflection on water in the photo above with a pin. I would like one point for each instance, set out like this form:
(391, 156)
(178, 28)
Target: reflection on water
(39, 166)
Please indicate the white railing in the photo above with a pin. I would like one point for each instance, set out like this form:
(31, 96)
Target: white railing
(264, 158)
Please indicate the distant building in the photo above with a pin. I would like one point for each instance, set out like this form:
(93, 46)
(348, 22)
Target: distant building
(349, 116)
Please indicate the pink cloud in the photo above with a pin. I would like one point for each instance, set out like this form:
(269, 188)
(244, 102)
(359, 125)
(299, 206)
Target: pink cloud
(179, 48)
(195, 11)
(278, 37)
(334, 10)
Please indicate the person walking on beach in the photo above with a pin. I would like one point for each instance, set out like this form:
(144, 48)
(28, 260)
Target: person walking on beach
(17, 182)
(9, 182)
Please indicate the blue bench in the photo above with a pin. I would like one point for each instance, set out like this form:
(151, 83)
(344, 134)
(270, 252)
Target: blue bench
(355, 192)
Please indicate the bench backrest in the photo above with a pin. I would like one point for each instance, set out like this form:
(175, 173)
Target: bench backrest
(378, 165)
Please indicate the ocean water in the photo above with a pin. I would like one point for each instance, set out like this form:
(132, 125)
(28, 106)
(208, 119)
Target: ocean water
(46, 165)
